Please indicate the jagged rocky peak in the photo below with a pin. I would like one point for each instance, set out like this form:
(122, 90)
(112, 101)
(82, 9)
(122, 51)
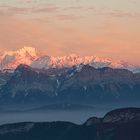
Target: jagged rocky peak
(24, 71)
(23, 67)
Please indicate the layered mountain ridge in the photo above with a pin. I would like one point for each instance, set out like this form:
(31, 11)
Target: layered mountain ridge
(30, 56)
(81, 84)
(125, 127)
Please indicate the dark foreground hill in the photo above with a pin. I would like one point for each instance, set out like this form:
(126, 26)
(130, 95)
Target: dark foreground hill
(121, 124)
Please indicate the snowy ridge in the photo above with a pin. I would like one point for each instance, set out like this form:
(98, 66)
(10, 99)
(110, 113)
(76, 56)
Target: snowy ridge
(30, 56)
(46, 62)
(10, 60)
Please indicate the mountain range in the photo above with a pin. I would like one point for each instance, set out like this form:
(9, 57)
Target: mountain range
(32, 82)
(30, 56)
(120, 124)
(81, 84)
(26, 77)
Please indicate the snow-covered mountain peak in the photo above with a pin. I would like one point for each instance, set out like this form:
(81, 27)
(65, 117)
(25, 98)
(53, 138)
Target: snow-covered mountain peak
(30, 56)
(27, 50)
(11, 59)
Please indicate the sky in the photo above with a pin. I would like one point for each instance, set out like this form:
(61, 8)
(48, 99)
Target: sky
(106, 28)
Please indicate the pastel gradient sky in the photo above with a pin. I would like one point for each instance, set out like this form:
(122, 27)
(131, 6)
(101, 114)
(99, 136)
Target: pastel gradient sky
(107, 28)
